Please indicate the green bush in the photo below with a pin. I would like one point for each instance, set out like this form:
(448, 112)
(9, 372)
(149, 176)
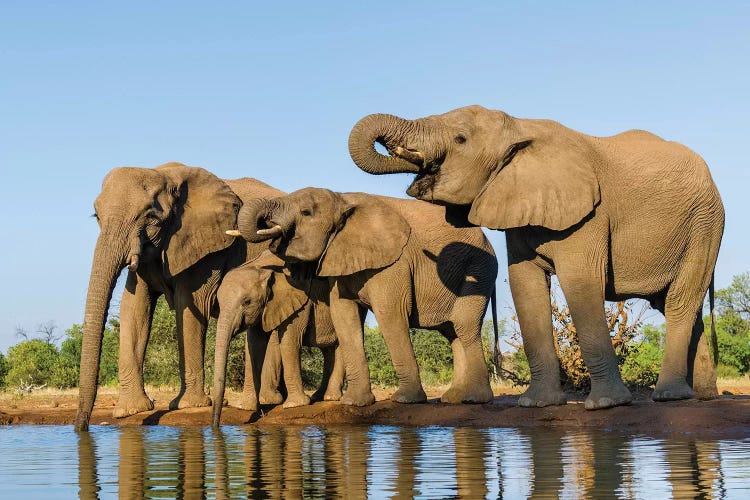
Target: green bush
(3, 370)
(379, 362)
(434, 357)
(312, 367)
(641, 365)
(32, 363)
(734, 350)
(726, 371)
(67, 369)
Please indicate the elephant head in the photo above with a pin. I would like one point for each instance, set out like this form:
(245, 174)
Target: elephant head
(342, 233)
(255, 293)
(511, 172)
(172, 215)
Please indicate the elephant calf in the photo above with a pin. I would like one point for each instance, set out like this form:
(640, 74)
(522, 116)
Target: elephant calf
(402, 260)
(281, 313)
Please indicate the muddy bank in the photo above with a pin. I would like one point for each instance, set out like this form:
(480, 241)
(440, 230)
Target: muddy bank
(727, 416)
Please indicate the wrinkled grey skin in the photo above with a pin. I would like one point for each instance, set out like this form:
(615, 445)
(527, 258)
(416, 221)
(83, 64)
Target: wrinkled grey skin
(280, 314)
(402, 260)
(167, 225)
(626, 216)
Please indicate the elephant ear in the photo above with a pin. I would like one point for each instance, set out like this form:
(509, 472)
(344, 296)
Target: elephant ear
(548, 182)
(370, 234)
(204, 208)
(283, 302)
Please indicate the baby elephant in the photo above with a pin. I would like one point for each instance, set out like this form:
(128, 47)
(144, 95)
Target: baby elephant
(403, 260)
(280, 313)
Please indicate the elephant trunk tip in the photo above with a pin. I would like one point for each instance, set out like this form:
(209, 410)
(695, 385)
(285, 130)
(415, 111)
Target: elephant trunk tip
(82, 421)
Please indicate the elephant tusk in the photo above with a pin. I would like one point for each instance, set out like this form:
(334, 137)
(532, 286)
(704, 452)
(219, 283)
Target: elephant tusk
(273, 231)
(133, 265)
(233, 232)
(409, 155)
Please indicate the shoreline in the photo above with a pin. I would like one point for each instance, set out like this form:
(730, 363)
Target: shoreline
(728, 416)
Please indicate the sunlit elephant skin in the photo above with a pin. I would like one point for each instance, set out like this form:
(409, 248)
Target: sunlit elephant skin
(167, 225)
(268, 300)
(400, 259)
(626, 216)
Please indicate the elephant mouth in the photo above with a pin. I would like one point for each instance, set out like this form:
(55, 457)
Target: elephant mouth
(423, 186)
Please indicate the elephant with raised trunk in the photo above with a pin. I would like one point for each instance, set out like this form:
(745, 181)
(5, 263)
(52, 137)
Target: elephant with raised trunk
(281, 311)
(400, 259)
(167, 226)
(626, 216)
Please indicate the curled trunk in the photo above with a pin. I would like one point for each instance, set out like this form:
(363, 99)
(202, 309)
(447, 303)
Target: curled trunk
(392, 132)
(105, 269)
(223, 337)
(253, 217)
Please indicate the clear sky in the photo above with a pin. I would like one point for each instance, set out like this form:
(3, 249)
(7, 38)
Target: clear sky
(271, 90)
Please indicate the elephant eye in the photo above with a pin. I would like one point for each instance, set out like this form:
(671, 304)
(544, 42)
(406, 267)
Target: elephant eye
(460, 139)
(306, 212)
(95, 216)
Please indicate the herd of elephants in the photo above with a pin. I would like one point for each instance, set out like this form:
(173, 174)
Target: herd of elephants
(626, 216)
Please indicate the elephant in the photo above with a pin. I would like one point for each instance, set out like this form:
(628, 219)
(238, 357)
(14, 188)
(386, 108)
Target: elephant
(267, 300)
(167, 225)
(402, 260)
(626, 216)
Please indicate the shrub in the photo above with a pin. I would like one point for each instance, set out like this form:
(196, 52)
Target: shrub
(67, 369)
(726, 371)
(32, 363)
(3, 370)
(378, 360)
(641, 366)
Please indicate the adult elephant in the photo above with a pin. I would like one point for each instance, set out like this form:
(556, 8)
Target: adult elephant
(280, 310)
(167, 225)
(629, 215)
(402, 260)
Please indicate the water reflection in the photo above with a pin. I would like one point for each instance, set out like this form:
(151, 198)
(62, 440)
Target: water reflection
(360, 462)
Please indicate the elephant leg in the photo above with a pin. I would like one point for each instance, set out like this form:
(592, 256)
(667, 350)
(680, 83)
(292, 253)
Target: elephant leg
(329, 360)
(136, 312)
(395, 327)
(336, 379)
(680, 310)
(271, 372)
(584, 293)
(471, 381)
(191, 338)
(348, 322)
(255, 352)
(291, 344)
(701, 368)
(529, 285)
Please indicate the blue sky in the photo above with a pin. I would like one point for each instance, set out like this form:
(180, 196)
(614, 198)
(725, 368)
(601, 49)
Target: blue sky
(271, 90)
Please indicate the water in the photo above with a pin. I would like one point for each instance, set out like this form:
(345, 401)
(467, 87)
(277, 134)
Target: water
(362, 461)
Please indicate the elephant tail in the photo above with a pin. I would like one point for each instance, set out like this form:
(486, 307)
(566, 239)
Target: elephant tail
(711, 304)
(497, 356)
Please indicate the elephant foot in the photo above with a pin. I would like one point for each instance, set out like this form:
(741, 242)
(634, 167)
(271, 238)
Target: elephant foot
(190, 400)
(269, 397)
(538, 396)
(461, 394)
(127, 405)
(607, 396)
(358, 399)
(705, 391)
(248, 401)
(295, 400)
(672, 391)
(409, 395)
(328, 395)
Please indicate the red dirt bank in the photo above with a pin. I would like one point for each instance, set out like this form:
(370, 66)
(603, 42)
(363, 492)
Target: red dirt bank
(727, 416)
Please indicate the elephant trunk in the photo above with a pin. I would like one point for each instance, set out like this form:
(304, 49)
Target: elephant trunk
(109, 260)
(224, 333)
(397, 135)
(253, 220)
